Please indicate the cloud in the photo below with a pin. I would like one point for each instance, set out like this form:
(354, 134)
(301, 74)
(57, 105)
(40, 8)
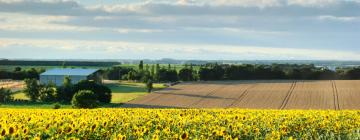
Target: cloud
(120, 49)
(335, 18)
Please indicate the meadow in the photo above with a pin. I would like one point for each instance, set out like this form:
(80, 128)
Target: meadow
(122, 92)
(178, 124)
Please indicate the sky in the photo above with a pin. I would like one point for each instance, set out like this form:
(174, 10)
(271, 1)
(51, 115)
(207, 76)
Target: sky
(180, 29)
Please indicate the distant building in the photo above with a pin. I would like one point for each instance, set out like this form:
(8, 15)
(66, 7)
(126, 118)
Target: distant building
(57, 76)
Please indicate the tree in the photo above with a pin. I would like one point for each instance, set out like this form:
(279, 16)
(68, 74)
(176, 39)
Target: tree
(186, 74)
(147, 67)
(117, 73)
(32, 89)
(141, 65)
(17, 69)
(66, 91)
(85, 99)
(5, 95)
(103, 93)
(157, 73)
(169, 67)
(47, 93)
(149, 86)
(152, 71)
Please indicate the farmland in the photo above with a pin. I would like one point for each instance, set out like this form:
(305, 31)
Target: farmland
(13, 85)
(269, 94)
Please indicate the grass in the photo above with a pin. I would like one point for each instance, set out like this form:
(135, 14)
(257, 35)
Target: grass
(121, 92)
(32, 105)
(126, 91)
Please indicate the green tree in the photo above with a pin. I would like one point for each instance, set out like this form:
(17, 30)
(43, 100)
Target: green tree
(47, 93)
(152, 71)
(66, 91)
(32, 89)
(169, 67)
(84, 99)
(186, 74)
(5, 95)
(149, 85)
(141, 65)
(157, 73)
(102, 92)
(147, 67)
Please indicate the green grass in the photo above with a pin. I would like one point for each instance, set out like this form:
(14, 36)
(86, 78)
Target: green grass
(126, 91)
(32, 105)
(121, 92)
(20, 95)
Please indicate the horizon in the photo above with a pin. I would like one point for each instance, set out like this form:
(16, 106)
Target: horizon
(225, 30)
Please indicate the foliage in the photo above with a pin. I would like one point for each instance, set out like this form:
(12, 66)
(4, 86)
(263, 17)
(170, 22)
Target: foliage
(117, 73)
(57, 106)
(47, 93)
(186, 74)
(102, 92)
(178, 124)
(149, 86)
(141, 65)
(19, 74)
(274, 71)
(32, 89)
(5, 95)
(85, 99)
(167, 75)
(66, 91)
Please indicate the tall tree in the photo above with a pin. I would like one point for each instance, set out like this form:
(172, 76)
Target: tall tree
(141, 65)
(147, 67)
(169, 67)
(157, 72)
(32, 89)
(152, 71)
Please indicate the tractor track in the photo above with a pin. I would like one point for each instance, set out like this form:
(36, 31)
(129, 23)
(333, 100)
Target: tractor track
(288, 95)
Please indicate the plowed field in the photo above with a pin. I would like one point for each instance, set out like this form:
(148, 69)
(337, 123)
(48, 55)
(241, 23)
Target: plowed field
(276, 94)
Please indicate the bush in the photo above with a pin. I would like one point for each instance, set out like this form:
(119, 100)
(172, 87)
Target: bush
(32, 89)
(47, 93)
(57, 106)
(85, 99)
(102, 92)
(5, 95)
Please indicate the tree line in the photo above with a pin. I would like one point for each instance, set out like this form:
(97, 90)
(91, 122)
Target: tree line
(210, 71)
(213, 71)
(19, 74)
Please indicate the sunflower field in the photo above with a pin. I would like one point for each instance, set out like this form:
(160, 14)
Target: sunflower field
(178, 124)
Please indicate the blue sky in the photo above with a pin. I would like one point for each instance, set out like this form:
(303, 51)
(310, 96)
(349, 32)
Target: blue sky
(180, 29)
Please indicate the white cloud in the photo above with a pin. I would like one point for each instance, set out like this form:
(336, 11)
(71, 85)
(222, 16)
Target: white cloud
(335, 18)
(19, 22)
(313, 3)
(248, 3)
(119, 49)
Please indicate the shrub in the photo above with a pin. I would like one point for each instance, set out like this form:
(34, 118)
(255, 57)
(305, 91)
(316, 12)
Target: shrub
(57, 106)
(5, 95)
(103, 93)
(85, 99)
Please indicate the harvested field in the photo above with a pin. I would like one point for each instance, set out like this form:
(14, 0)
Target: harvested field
(13, 85)
(274, 94)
